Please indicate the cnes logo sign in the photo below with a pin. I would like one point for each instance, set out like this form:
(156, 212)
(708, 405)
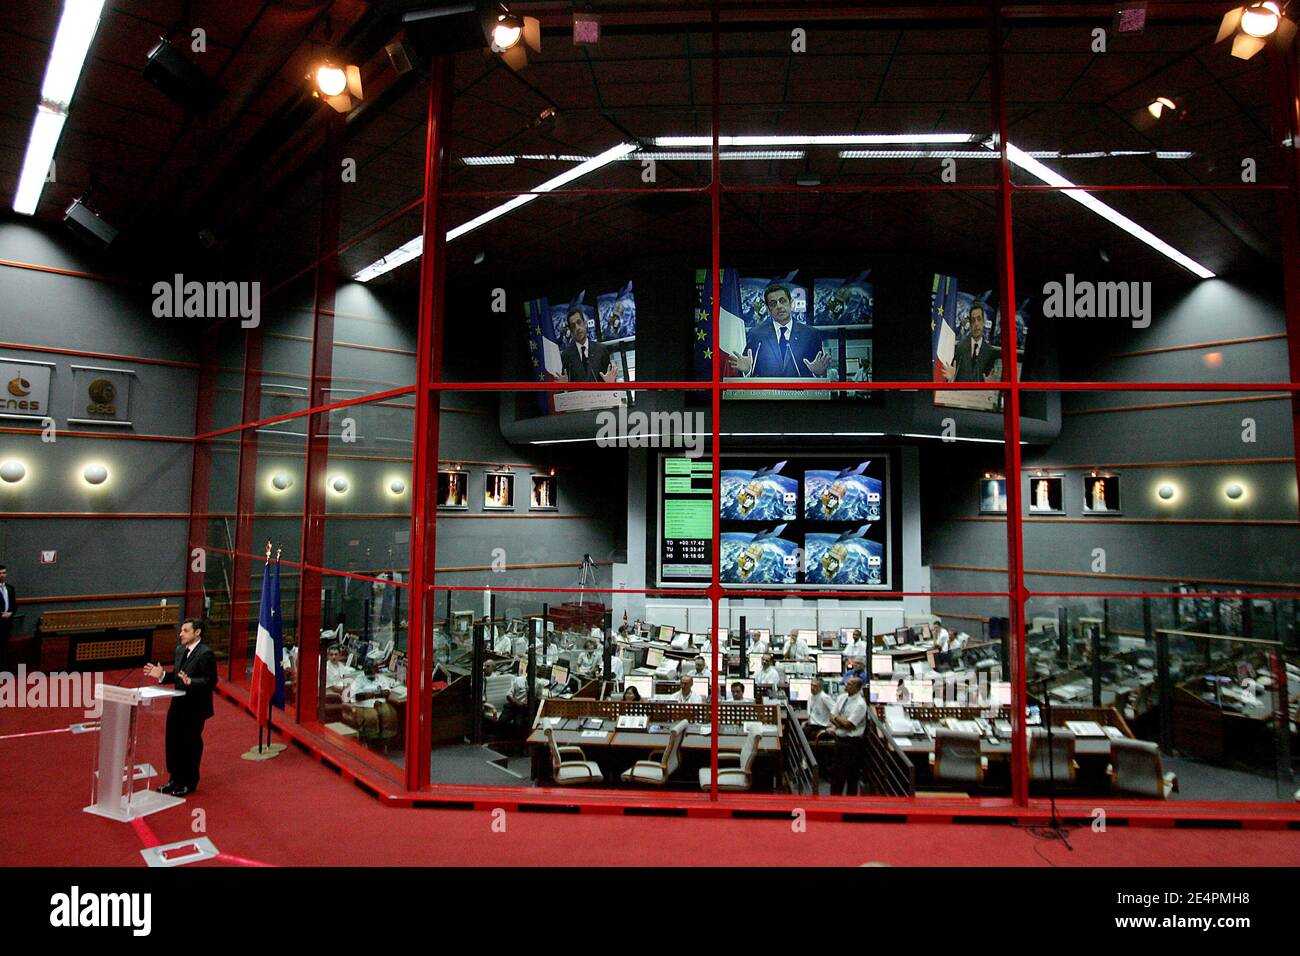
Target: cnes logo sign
(76, 909)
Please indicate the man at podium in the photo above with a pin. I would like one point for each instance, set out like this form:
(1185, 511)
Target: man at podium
(195, 672)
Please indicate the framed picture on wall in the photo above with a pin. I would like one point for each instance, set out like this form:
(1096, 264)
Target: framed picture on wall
(499, 491)
(541, 497)
(1100, 494)
(453, 490)
(1047, 494)
(993, 495)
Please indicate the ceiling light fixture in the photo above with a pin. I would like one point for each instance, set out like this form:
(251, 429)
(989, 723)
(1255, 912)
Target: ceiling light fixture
(72, 39)
(413, 248)
(339, 86)
(826, 139)
(1161, 103)
(513, 36)
(1252, 26)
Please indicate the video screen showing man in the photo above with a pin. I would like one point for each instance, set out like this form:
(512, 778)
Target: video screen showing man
(974, 357)
(584, 359)
(780, 347)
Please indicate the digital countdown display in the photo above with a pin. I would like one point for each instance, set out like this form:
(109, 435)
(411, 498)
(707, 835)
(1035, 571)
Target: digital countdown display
(686, 520)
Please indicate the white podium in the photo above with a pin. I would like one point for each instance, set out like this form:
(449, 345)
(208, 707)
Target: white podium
(113, 792)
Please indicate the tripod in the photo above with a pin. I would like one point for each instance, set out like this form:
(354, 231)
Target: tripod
(1055, 829)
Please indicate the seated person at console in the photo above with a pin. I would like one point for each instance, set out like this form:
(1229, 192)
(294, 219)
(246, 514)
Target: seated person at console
(589, 661)
(685, 695)
(757, 646)
(737, 691)
(337, 674)
(820, 706)
(631, 693)
(769, 674)
(856, 647)
(367, 693)
(504, 645)
(795, 648)
(698, 669)
(902, 694)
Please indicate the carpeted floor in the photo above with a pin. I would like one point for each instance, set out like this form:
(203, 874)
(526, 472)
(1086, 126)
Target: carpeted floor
(295, 811)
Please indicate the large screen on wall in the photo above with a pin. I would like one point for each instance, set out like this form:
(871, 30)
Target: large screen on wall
(965, 337)
(576, 341)
(786, 522)
(786, 331)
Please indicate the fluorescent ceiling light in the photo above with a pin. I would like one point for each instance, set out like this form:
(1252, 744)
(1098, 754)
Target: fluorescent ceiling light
(488, 160)
(831, 139)
(917, 154)
(1091, 202)
(72, 39)
(409, 250)
(638, 155)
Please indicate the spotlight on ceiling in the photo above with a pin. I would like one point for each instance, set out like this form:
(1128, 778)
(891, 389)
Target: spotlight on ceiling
(1251, 27)
(1160, 104)
(339, 86)
(453, 27)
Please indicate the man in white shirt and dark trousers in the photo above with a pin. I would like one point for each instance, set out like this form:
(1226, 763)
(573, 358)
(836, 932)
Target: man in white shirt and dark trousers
(849, 718)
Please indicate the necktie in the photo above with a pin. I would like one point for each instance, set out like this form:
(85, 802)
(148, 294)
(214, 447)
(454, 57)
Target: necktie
(586, 365)
(787, 359)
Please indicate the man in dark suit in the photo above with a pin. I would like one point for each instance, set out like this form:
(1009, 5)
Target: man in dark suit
(8, 601)
(195, 672)
(585, 360)
(973, 358)
(782, 348)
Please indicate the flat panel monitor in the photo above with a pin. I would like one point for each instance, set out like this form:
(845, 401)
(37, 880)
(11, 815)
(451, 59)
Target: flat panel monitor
(755, 662)
(760, 634)
(807, 635)
(700, 686)
(666, 632)
(748, 688)
(903, 635)
(830, 664)
(654, 657)
(644, 684)
(846, 636)
(722, 636)
(559, 674)
(882, 665)
(801, 688)
(891, 640)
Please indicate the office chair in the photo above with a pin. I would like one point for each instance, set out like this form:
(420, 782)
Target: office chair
(658, 771)
(956, 757)
(1062, 767)
(496, 687)
(567, 772)
(738, 777)
(1135, 768)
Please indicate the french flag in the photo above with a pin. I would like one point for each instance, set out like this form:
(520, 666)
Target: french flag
(943, 323)
(267, 686)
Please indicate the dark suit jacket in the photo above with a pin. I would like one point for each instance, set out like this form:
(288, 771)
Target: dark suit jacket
(761, 342)
(201, 666)
(597, 357)
(974, 370)
(7, 623)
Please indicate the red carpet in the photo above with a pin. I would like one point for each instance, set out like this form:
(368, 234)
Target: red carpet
(292, 811)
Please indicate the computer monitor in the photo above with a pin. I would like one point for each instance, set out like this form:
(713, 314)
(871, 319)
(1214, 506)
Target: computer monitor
(846, 636)
(722, 636)
(644, 684)
(559, 674)
(746, 683)
(800, 688)
(830, 664)
(882, 665)
(806, 634)
(890, 640)
(699, 685)
(903, 635)
(755, 662)
(654, 657)
(666, 632)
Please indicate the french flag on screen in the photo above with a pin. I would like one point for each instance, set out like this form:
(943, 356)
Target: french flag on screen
(943, 323)
(267, 685)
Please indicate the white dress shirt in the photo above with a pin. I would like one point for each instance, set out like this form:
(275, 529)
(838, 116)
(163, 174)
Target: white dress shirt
(505, 645)
(856, 648)
(769, 676)
(820, 708)
(797, 652)
(589, 662)
(757, 647)
(852, 708)
(361, 684)
(682, 698)
(337, 673)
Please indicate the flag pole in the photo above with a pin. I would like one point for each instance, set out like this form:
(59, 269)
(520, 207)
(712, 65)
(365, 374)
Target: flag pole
(259, 723)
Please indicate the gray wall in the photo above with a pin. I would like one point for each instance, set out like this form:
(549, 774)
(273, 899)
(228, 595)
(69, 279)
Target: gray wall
(96, 555)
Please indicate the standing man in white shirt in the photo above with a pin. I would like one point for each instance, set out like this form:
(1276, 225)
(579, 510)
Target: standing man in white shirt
(849, 718)
(820, 706)
(769, 674)
(941, 636)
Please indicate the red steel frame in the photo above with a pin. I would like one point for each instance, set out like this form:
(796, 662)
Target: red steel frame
(358, 763)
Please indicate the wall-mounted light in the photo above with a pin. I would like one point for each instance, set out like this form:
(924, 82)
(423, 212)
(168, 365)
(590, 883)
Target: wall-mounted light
(1235, 491)
(95, 473)
(1166, 492)
(339, 485)
(12, 471)
(397, 486)
(281, 481)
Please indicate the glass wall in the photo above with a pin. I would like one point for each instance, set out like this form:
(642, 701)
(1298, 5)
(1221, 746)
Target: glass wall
(834, 534)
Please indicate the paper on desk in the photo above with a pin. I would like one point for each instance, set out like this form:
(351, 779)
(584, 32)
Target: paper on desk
(596, 733)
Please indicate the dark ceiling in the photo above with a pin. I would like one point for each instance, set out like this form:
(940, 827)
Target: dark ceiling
(249, 172)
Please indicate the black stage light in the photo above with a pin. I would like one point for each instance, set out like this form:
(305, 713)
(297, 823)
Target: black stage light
(171, 72)
(87, 224)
